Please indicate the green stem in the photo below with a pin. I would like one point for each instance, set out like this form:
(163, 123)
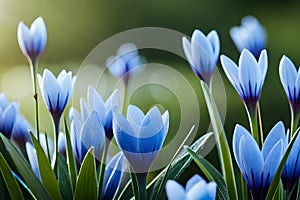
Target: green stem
(260, 124)
(252, 116)
(141, 178)
(123, 107)
(244, 187)
(294, 121)
(135, 186)
(34, 66)
(102, 167)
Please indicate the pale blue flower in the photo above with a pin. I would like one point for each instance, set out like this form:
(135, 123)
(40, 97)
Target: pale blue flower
(8, 116)
(20, 132)
(249, 77)
(62, 143)
(140, 136)
(202, 53)
(56, 92)
(291, 171)
(127, 62)
(103, 109)
(259, 167)
(250, 35)
(112, 176)
(196, 189)
(32, 41)
(290, 79)
(86, 131)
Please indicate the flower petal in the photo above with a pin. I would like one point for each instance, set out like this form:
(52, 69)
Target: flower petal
(276, 134)
(175, 191)
(288, 74)
(214, 40)
(192, 181)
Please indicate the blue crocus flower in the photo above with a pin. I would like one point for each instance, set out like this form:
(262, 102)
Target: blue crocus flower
(56, 93)
(258, 167)
(290, 79)
(196, 189)
(249, 77)
(86, 131)
(291, 171)
(103, 109)
(62, 143)
(20, 132)
(202, 53)
(126, 63)
(8, 116)
(250, 35)
(112, 176)
(32, 41)
(140, 136)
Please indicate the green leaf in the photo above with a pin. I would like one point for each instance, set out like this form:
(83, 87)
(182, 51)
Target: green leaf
(10, 181)
(4, 194)
(222, 144)
(47, 174)
(70, 157)
(177, 167)
(210, 172)
(25, 171)
(86, 187)
(276, 178)
(64, 178)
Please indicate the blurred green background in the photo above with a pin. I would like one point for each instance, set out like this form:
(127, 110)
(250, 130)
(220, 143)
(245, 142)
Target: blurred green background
(75, 27)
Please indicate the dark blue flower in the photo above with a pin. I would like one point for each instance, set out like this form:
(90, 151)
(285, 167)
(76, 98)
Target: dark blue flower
(196, 189)
(249, 77)
(112, 176)
(32, 41)
(127, 62)
(250, 35)
(140, 136)
(20, 132)
(202, 53)
(259, 167)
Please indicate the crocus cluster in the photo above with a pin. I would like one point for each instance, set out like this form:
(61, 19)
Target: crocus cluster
(196, 188)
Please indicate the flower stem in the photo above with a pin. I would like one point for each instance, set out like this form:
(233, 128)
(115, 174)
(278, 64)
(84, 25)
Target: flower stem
(252, 116)
(294, 121)
(260, 124)
(102, 167)
(123, 107)
(34, 66)
(135, 186)
(141, 178)
(56, 121)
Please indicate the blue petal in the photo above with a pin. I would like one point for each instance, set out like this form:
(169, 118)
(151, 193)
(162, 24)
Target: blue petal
(62, 143)
(263, 64)
(175, 191)
(288, 74)
(84, 109)
(112, 176)
(136, 65)
(8, 118)
(249, 74)
(232, 72)
(187, 50)
(292, 165)
(32, 159)
(251, 161)
(75, 140)
(165, 119)
(277, 133)
(92, 134)
(38, 30)
(20, 131)
(214, 40)
(240, 37)
(239, 131)
(3, 102)
(127, 51)
(198, 191)
(199, 39)
(135, 116)
(124, 133)
(95, 102)
(116, 66)
(212, 189)
(24, 38)
(193, 181)
(271, 164)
